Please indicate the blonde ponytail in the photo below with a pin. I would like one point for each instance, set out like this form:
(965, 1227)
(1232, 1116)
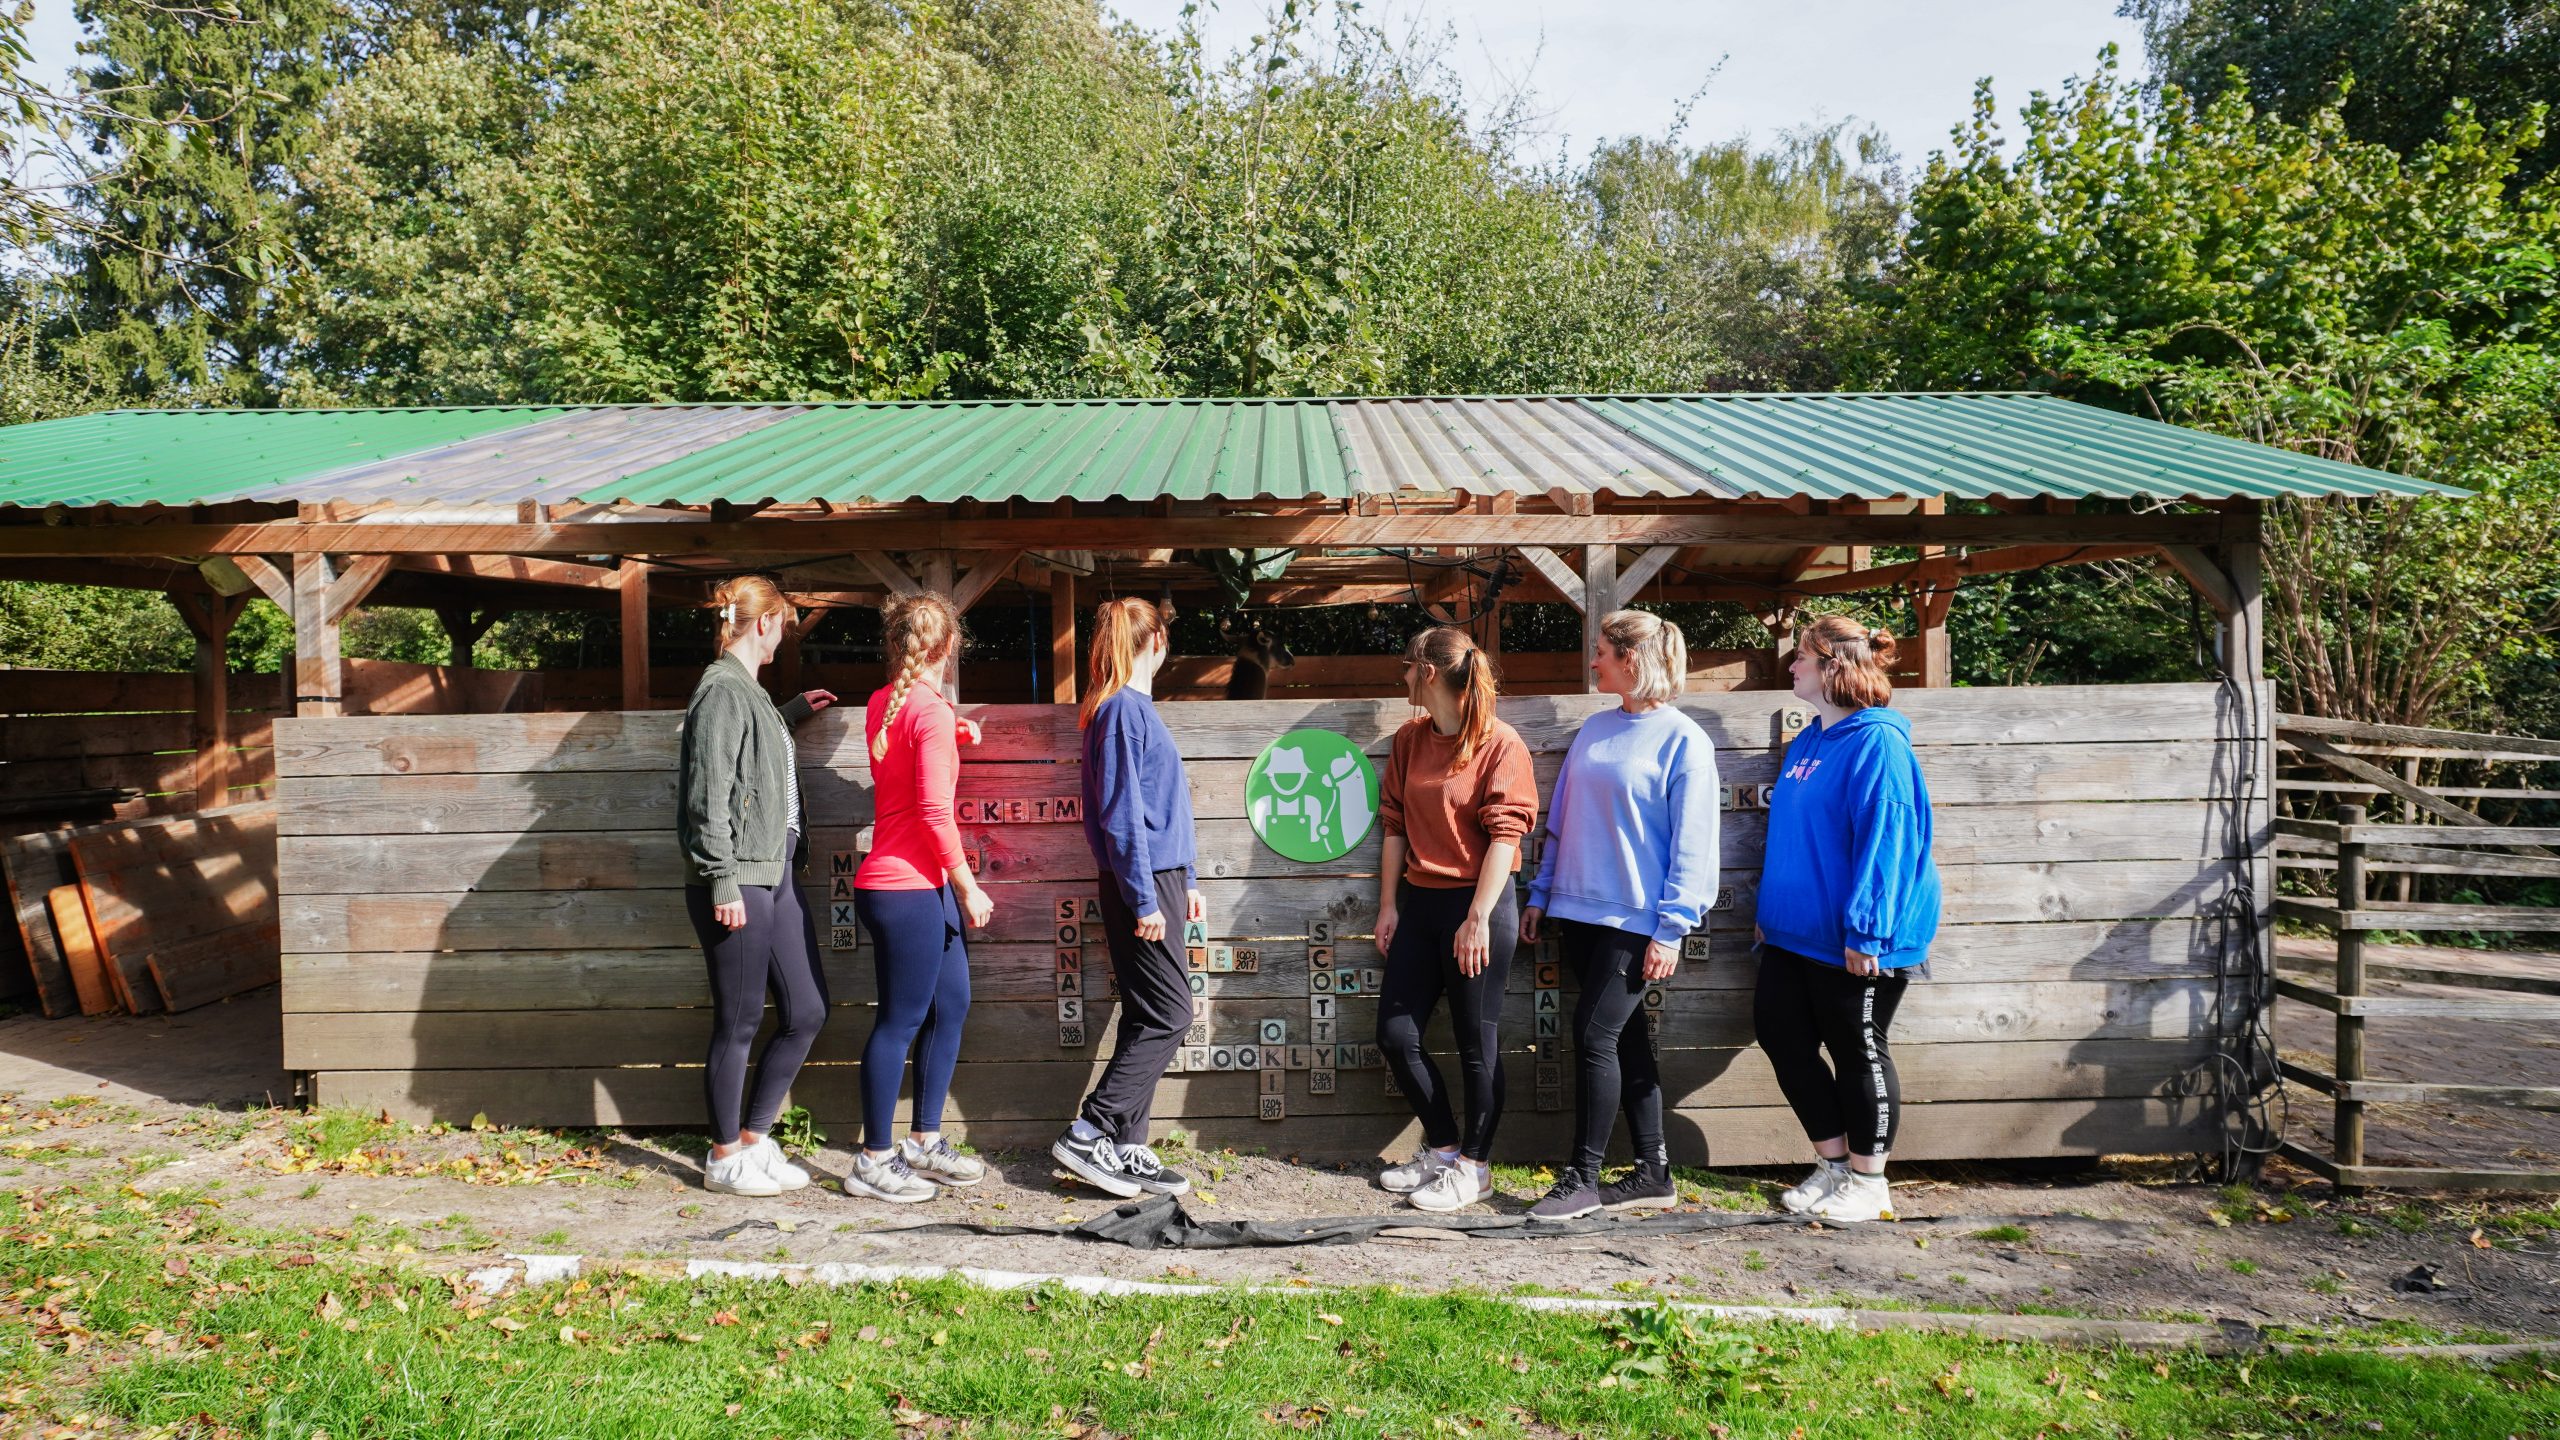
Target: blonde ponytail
(742, 600)
(1122, 629)
(913, 629)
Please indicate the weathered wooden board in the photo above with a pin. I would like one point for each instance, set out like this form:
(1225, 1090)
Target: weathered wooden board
(535, 1039)
(33, 864)
(64, 737)
(1238, 909)
(603, 979)
(158, 882)
(89, 977)
(644, 859)
(1232, 730)
(216, 966)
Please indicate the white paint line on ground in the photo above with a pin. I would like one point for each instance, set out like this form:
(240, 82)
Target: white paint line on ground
(543, 1269)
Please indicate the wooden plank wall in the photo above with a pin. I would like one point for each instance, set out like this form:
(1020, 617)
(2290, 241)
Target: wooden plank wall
(486, 914)
(78, 730)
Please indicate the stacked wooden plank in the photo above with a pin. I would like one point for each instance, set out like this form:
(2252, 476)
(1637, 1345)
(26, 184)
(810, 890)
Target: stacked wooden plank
(135, 917)
(486, 914)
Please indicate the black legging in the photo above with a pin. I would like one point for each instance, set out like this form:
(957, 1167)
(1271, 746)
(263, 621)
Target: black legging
(1617, 1066)
(776, 949)
(1155, 1008)
(1801, 1008)
(1422, 963)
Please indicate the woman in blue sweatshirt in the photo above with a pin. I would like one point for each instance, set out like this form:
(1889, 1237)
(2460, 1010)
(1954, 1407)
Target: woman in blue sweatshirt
(1848, 906)
(1629, 867)
(1137, 821)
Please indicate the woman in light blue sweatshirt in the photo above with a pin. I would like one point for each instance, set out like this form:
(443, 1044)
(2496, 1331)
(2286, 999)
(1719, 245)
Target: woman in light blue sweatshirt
(1628, 869)
(1848, 906)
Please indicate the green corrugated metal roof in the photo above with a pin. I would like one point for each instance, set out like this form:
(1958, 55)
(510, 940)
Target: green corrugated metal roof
(184, 457)
(1846, 447)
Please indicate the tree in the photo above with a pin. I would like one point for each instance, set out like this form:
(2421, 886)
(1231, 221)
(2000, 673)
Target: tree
(2214, 265)
(2393, 69)
(204, 114)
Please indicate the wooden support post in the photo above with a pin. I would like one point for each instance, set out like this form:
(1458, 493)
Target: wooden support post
(632, 581)
(1062, 637)
(1599, 597)
(940, 575)
(317, 665)
(211, 617)
(463, 627)
(324, 594)
(1937, 661)
(2349, 1135)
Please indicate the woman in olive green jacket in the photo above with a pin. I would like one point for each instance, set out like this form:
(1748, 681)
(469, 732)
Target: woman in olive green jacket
(738, 819)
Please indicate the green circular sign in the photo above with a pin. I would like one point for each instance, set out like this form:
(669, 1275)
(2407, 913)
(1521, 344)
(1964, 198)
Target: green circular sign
(1312, 795)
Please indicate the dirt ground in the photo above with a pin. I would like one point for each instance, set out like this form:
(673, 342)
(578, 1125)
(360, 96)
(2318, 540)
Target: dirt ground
(188, 1102)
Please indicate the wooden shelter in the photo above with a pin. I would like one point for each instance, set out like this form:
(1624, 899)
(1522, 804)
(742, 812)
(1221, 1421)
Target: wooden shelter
(479, 896)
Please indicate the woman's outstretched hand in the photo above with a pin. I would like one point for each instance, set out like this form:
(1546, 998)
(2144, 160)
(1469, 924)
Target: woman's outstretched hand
(966, 731)
(817, 700)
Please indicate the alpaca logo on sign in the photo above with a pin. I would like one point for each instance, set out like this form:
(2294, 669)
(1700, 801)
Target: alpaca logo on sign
(1312, 795)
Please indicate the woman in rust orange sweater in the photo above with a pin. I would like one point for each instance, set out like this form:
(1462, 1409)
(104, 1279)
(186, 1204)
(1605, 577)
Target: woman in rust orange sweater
(1458, 796)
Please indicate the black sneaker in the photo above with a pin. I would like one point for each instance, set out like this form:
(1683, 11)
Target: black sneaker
(1139, 1164)
(1096, 1162)
(1647, 1187)
(1572, 1197)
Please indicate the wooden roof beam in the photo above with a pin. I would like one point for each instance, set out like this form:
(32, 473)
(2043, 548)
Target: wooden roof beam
(738, 539)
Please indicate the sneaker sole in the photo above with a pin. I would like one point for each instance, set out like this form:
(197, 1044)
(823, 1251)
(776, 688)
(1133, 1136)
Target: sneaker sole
(1576, 1215)
(1416, 1202)
(859, 1191)
(718, 1187)
(1182, 1189)
(1642, 1202)
(951, 1180)
(1074, 1165)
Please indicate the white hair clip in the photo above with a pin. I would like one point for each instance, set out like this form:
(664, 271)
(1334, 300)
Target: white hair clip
(729, 613)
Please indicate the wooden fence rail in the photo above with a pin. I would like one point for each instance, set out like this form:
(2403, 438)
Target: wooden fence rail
(2352, 854)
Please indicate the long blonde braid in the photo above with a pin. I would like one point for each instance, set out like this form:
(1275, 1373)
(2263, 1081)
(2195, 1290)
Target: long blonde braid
(912, 629)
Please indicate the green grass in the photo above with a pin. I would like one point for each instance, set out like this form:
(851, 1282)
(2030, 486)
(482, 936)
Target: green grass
(2244, 1267)
(2005, 1234)
(359, 1348)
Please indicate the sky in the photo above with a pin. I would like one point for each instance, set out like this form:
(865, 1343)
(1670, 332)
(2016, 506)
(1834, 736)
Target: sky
(1604, 70)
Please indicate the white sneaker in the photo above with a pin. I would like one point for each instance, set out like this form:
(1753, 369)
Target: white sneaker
(1857, 1198)
(737, 1173)
(1412, 1175)
(784, 1173)
(1454, 1187)
(1826, 1177)
(886, 1178)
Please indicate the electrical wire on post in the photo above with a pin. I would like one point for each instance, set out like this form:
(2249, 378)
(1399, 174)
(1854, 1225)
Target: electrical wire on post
(2248, 1085)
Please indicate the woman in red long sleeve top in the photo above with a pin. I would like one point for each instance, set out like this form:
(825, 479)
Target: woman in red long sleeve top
(911, 894)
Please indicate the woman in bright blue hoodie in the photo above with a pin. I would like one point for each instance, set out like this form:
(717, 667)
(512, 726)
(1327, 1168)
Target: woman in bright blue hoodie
(1848, 906)
(1628, 870)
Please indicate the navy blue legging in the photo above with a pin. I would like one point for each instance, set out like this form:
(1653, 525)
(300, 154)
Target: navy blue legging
(924, 1000)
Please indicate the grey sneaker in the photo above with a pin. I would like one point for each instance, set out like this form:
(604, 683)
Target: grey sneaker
(875, 1177)
(1572, 1197)
(1413, 1174)
(1139, 1164)
(941, 1164)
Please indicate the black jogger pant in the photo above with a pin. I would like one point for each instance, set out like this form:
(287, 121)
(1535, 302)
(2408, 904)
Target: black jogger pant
(1422, 964)
(776, 950)
(1155, 1008)
(1801, 1008)
(1616, 1067)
